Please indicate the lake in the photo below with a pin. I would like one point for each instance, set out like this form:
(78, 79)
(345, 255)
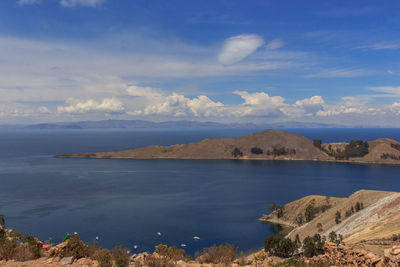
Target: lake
(128, 201)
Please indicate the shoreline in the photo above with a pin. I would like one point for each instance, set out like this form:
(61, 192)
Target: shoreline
(238, 159)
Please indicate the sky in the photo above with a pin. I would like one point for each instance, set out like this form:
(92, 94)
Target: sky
(211, 60)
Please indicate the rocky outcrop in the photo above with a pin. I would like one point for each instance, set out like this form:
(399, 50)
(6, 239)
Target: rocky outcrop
(340, 255)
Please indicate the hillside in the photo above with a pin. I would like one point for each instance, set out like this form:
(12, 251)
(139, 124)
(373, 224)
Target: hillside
(265, 145)
(278, 144)
(377, 219)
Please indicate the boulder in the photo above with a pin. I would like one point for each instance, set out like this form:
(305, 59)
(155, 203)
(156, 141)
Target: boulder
(181, 263)
(67, 260)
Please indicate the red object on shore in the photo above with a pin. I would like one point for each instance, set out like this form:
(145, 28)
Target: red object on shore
(46, 246)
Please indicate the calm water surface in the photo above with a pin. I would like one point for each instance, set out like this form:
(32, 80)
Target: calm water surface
(128, 201)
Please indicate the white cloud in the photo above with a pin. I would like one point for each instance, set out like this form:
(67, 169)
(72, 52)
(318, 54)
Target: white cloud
(379, 46)
(107, 105)
(275, 44)
(337, 73)
(85, 3)
(176, 105)
(27, 2)
(392, 90)
(239, 47)
(311, 105)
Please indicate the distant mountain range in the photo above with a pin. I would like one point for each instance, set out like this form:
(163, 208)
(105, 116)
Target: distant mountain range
(143, 124)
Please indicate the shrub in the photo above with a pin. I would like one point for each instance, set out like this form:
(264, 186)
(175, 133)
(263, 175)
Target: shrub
(237, 153)
(313, 246)
(310, 212)
(103, 256)
(356, 148)
(256, 150)
(7, 247)
(75, 247)
(2, 221)
(359, 206)
(318, 143)
(152, 261)
(297, 241)
(332, 236)
(395, 146)
(390, 156)
(120, 256)
(260, 256)
(338, 217)
(277, 245)
(223, 254)
(277, 208)
(173, 252)
(299, 219)
(33, 245)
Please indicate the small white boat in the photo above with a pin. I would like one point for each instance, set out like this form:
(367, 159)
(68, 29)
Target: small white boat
(158, 233)
(196, 238)
(183, 245)
(135, 246)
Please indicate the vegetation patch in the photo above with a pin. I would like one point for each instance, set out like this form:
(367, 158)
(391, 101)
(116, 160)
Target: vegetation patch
(390, 156)
(257, 151)
(281, 151)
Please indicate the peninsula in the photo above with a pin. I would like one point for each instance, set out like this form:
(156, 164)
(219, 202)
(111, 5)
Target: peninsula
(265, 145)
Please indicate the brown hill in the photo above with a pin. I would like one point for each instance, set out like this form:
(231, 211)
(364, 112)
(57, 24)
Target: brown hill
(377, 219)
(266, 145)
(285, 145)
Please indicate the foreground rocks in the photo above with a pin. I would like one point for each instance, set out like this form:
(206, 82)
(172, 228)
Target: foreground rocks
(335, 255)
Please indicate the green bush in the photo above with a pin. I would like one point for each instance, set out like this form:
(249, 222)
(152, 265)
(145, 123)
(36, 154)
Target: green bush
(317, 143)
(338, 217)
(120, 256)
(277, 245)
(313, 246)
(279, 209)
(310, 212)
(103, 256)
(172, 252)
(75, 247)
(356, 148)
(34, 246)
(256, 150)
(222, 254)
(237, 153)
(7, 248)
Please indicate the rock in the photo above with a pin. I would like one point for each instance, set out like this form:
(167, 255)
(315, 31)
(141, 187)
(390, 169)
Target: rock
(67, 260)
(395, 251)
(193, 264)
(180, 263)
(85, 262)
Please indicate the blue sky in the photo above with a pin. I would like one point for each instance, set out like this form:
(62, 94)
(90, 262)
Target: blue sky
(228, 61)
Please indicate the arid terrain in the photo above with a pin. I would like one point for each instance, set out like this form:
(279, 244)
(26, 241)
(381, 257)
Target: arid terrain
(266, 145)
(367, 219)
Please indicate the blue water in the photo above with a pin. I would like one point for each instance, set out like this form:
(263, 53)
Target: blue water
(128, 201)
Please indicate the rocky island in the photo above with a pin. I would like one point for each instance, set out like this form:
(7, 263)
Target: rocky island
(265, 145)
